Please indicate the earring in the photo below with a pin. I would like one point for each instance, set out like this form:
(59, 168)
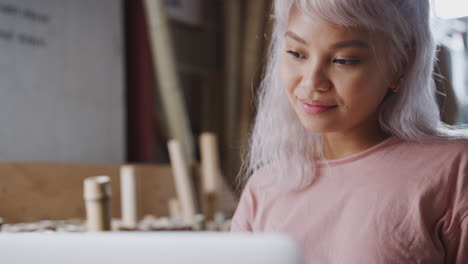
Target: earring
(397, 86)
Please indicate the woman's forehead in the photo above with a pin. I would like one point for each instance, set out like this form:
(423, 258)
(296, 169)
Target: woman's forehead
(310, 29)
(313, 30)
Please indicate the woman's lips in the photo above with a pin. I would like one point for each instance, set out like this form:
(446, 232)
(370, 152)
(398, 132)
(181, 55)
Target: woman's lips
(316, 108)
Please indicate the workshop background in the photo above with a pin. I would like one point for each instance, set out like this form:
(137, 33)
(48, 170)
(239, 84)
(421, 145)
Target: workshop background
(89, 88)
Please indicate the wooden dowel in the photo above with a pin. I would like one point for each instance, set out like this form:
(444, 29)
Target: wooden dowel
(210, 169)
(97, 194)
(183, 182)
(209, 161)
(128, 195)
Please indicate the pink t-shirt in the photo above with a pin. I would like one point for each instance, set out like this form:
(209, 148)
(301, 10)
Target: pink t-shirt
(397, 202)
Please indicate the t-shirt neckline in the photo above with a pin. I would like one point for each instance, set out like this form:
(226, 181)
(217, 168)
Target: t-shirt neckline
(360, 155)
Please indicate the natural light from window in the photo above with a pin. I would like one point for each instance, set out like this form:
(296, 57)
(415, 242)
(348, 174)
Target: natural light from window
(451, 8)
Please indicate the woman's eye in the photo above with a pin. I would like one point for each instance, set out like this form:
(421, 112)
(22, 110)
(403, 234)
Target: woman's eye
(346, 62)
(296, 54)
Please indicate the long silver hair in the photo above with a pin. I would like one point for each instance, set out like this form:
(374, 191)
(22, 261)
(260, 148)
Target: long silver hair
(279, 140)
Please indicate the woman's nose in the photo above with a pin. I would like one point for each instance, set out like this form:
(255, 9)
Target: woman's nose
(315, 79)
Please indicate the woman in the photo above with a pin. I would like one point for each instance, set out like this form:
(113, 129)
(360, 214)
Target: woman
(348, 153)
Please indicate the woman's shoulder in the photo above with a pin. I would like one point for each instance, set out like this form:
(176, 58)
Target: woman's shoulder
(437, 151)
(459, 145)
(264, 181)
(455, 145)
(262, 177)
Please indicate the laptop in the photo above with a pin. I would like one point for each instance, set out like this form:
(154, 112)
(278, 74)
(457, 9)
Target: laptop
(146, 248)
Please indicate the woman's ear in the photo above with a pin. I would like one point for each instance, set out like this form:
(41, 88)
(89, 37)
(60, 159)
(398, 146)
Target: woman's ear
(399, 76)
(410, 55)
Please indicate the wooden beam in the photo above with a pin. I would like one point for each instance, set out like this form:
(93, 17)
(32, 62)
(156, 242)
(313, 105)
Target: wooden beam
(257, 15)
(169, 85)
(232, 45)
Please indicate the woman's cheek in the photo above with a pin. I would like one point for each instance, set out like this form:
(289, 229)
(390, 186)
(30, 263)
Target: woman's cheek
(287, 76)
(292, 75)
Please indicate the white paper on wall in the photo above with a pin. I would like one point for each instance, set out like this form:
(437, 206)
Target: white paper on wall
(61, 80)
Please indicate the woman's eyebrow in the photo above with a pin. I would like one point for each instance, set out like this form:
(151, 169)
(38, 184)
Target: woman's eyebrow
(295, 37)
(351, 43)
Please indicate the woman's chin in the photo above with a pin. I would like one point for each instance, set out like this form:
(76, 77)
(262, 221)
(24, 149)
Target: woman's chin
(320, 128)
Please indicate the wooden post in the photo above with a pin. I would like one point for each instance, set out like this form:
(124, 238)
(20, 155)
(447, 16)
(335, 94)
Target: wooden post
(252, 49)
(183, 182)
(128, 196)
(97, 194)
(445, 93)
(166, 72)
(251, 66)
(232, 41)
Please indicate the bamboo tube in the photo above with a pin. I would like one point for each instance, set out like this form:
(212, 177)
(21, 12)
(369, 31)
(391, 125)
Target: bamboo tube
(174, 209)
(97, 194)
(210, 172)
(183, 183)
(166, 72)
(128, 195)
(209, 162)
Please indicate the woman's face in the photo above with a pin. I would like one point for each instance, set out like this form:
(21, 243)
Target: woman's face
(335, 77)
